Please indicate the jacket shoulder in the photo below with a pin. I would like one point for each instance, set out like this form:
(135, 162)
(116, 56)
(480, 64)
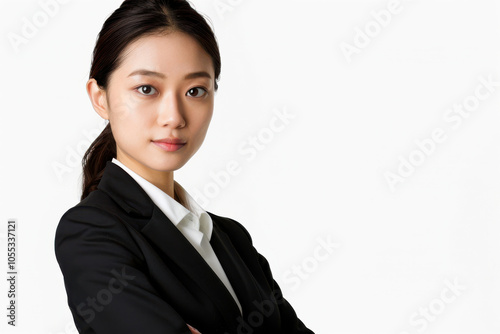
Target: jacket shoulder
(95, 216)
(96, 203)
(231, 227)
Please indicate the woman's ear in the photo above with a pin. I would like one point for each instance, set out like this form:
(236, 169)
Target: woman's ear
(98, 98)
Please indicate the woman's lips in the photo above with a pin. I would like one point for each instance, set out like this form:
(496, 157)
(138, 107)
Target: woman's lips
(169, 147)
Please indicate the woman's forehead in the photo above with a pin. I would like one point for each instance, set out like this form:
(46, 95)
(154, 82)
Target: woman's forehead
(175, 52)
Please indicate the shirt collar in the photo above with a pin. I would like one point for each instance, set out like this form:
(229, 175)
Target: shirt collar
(197, 210)
(169, 206)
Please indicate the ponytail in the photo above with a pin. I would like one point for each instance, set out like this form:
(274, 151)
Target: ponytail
(102, 150)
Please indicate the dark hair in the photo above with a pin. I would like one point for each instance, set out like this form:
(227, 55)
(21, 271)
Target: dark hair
(133, 20)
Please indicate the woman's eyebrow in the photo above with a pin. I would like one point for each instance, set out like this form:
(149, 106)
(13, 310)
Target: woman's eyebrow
(199, 74)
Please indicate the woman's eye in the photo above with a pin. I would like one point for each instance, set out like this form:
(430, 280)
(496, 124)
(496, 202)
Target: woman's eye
(197, 91)
(146, 90)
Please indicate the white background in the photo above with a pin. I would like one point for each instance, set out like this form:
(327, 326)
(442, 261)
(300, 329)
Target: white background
(321, 179)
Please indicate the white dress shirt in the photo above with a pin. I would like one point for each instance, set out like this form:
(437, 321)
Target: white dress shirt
(193, 222)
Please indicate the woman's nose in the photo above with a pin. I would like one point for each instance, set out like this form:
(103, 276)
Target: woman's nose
(171, 111)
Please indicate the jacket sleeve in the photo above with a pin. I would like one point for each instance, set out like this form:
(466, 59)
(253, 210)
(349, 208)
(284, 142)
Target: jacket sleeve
(104, 276)
(290, 323)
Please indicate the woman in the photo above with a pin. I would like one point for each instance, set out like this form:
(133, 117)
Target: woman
(138, 254)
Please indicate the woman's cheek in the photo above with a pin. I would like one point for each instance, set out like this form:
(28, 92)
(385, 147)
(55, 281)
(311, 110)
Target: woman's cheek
(127, 105)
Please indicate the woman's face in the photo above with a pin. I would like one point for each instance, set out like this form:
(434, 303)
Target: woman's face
(163, 89)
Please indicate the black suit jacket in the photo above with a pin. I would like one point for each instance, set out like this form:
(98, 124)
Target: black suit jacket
(128, 269)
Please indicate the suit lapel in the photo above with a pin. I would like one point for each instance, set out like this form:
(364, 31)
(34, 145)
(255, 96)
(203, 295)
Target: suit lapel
(235, 268)
(165, 236)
